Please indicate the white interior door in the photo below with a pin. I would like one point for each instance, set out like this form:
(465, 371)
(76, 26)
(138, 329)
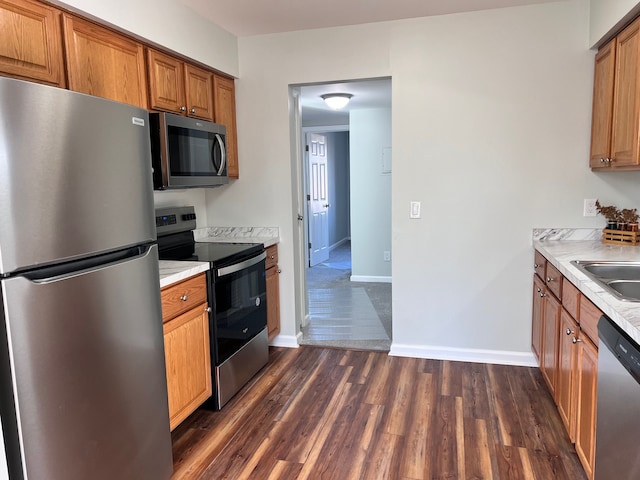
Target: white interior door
(318, 199)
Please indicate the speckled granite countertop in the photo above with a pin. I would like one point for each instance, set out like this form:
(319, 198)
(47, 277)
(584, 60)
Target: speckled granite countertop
(561, 246)
(265, 235)
(172, 271)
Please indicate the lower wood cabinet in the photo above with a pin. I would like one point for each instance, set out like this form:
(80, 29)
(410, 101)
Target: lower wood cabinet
(550, 328)
(186, 347)
(565, 338)
(273, 291)
(586, 401)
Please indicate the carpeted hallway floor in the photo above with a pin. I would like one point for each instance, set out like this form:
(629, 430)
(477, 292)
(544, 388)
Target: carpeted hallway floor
(344, 313)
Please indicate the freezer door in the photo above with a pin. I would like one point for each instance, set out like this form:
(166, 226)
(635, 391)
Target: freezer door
(75, 175)
(83, 375)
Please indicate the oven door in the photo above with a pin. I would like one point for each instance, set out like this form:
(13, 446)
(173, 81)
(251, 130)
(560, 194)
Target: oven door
(239, 295)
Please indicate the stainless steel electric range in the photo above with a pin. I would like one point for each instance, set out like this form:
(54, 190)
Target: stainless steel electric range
(236, 292)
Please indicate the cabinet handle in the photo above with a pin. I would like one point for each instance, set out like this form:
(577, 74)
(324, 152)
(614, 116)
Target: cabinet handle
(183, 108)
(193, 110)
(184, 297)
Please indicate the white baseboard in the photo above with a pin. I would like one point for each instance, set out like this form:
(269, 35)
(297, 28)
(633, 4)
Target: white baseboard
(498, 357)
(339, 242)
(287, 341)
(369, 279)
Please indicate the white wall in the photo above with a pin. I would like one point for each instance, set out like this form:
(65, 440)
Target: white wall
(338, 174)
(168, 23)
(608, 16)
(369, 134)
(491, 122)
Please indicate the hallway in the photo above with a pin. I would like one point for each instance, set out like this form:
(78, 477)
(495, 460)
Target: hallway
(343, 313)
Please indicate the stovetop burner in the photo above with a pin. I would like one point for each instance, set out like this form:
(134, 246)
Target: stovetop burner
(175, 226)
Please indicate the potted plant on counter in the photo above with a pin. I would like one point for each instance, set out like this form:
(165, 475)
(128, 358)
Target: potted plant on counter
(610, 213)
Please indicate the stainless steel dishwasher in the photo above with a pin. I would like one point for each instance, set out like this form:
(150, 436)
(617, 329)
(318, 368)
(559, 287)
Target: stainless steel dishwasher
(618, 422)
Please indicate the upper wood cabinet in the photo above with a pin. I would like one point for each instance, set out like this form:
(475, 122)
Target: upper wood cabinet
(602, 115)
(31, 42)
(103, 63)
(179, 87)
(225, 114)
(616, 103)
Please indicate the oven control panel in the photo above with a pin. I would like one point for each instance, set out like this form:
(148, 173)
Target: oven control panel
(175, 219)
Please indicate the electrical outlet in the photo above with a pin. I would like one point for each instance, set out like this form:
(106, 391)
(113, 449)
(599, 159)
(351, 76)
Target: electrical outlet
(589, 207)
(387, 256)
(414, 211)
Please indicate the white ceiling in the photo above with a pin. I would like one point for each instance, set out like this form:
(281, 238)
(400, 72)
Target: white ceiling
(257, 17)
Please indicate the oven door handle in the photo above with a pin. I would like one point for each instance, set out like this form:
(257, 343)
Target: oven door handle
(236, 267)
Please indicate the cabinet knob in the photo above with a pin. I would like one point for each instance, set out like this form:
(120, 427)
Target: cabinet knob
(542, 295)
(279, 271)
(272, 257)
(538, 290)
(208, 309)
(193, 110)
(568, 331)
(536, 266)
(183, 108)
(184, 297)
(549, 279)
(575, 340)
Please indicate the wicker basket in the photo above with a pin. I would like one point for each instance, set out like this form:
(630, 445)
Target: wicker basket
(620, 237)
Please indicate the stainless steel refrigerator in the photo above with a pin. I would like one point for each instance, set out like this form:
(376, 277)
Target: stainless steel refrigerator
(83, 387)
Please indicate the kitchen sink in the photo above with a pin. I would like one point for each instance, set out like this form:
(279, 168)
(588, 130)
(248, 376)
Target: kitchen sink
(621, 279)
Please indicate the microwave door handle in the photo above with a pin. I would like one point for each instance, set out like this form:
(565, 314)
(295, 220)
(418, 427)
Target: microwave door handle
(223, 155)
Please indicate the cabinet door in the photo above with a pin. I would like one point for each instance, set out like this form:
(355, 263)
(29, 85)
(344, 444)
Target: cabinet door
(188, 363)
(273, 302)
(199, 92)
(102, 63)
(31, 42)
(567, 357)
(166, 82)
(602, 113)
(624, 136)
(538, 312)
(586, 391)
(550, 335)
(225, 113)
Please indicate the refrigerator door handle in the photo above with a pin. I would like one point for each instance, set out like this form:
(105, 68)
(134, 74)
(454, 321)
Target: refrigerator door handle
(72, 268)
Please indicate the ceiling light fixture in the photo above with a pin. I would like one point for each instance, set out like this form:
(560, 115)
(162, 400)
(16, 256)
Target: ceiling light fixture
(336, 101)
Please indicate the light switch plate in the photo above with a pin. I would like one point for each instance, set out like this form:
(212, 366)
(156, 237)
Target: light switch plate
(414, 211)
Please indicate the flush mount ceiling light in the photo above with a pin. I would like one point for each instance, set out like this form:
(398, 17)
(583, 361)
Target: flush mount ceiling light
(336, 100)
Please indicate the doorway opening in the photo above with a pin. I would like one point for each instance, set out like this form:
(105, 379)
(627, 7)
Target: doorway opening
(346, 306)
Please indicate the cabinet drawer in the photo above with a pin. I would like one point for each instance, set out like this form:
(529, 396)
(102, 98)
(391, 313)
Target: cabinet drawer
(272, 256)
(539, 265)
(570, 298)
(179, 298)
(589, 316)
(553, 280)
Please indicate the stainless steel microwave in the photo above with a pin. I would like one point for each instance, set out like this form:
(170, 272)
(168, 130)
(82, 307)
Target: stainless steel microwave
(187, 152)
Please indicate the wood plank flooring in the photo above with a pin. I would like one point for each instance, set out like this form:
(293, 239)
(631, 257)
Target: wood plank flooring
(321, 413)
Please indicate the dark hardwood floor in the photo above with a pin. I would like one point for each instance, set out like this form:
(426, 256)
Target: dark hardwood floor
(319, 413)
